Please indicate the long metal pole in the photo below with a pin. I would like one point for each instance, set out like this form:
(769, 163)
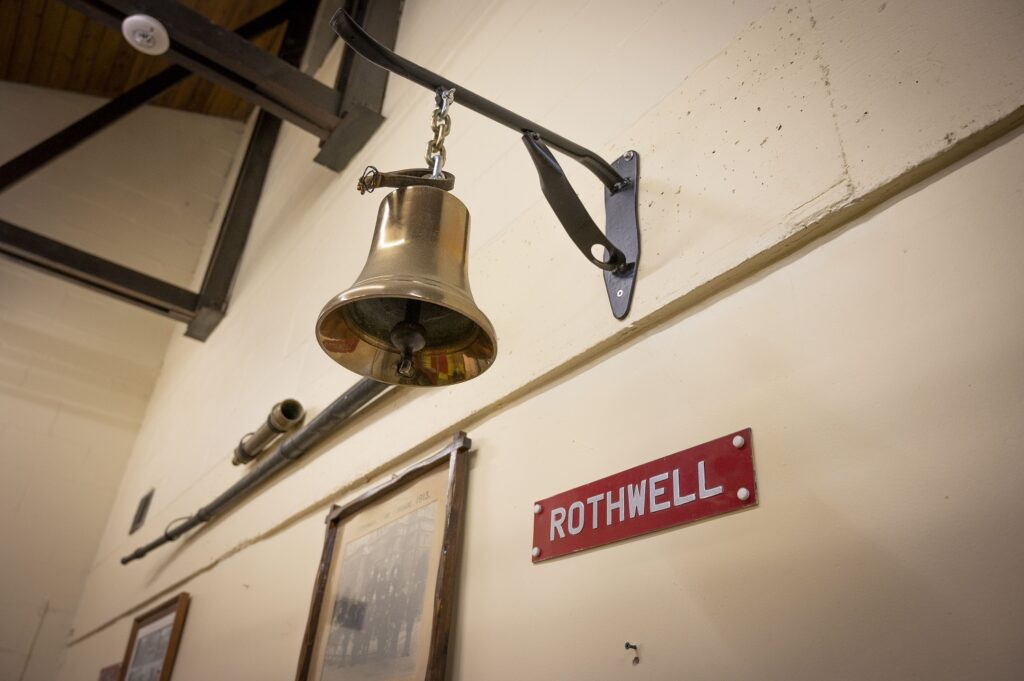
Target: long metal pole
(360, 41)
(99, 274)
(322, 426)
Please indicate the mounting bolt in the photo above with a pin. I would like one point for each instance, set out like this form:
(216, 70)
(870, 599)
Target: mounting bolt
(536, 551)
(743, 494)
(629, 156)
(618, 294)
(537, 509)
(738, 442)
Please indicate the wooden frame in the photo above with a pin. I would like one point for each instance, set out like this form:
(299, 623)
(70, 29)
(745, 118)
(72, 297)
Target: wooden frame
(168, 614)
(379, 510)
(110, 672)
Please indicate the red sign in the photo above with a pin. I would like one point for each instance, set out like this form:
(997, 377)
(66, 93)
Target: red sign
(704, 481)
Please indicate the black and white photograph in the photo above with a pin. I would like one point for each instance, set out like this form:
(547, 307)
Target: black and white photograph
(153, 642)
(377, 614)
(384, 591)
(150, 650)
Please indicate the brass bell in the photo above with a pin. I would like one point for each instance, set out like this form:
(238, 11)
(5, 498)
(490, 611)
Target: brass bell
(410, 318)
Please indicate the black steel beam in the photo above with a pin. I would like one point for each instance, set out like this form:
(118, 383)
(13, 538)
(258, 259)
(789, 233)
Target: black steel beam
(96, 273)
(63, 141)
(361, 83)
(237, 223)
(235, 228)
(220, 56)
(321, 37)
(275, 84)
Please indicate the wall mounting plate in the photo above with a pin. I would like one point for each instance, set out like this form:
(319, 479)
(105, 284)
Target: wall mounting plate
(622, 227)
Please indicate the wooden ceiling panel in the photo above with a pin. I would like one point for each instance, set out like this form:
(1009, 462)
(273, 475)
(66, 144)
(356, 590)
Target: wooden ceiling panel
(43, 42)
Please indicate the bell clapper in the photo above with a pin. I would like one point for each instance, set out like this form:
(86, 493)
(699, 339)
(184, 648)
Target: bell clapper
(409, 337)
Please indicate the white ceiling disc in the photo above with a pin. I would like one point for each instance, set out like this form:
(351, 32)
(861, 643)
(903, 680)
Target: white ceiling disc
(145, 34)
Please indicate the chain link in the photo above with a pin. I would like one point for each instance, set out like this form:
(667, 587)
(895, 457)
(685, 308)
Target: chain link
(441, 126)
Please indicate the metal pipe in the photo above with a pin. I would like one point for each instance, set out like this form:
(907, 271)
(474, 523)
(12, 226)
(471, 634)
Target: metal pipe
(319, 428)
(284, 416)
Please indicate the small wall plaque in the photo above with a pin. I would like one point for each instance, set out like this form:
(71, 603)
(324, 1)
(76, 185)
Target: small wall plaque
(707, 480)
(141, 511)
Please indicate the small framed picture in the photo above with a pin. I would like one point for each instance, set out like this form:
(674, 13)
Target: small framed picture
(383, 599)
(153, 643)
(111, 672)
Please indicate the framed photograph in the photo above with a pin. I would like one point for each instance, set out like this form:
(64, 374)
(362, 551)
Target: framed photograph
(110, 672)
(383, 599)
(154, 642)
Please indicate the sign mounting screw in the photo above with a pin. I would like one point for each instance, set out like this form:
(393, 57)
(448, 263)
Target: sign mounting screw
(743, 494)
(537, 509)
(536, 552)
(738, 442)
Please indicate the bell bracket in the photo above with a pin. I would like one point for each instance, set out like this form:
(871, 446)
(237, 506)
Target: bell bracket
(622, 219)
(621, 244)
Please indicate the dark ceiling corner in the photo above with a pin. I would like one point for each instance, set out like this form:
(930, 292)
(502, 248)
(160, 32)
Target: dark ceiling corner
(234, 74)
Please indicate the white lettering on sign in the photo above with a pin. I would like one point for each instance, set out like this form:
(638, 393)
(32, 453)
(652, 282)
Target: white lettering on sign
(575, 527)
(557, 518)
(657, 492)
(676, 499)
(637, 497)
(594, 501)
(650, 493)
(620, 504)
(704, 491)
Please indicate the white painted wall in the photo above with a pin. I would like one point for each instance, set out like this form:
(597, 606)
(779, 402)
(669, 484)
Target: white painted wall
(77, 368)
(869, 362)
(143, 193)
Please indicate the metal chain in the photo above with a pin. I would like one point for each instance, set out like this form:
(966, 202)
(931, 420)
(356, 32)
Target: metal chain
(441, 125)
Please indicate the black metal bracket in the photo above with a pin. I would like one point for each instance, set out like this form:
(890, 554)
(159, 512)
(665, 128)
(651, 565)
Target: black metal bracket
(623, 219)
(621, 245)
(621, 242)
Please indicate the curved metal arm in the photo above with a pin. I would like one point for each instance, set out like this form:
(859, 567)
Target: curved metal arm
(619, 178)
(360, 41)
(570, 210)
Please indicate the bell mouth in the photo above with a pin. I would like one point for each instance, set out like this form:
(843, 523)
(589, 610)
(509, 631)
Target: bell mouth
(357, 329)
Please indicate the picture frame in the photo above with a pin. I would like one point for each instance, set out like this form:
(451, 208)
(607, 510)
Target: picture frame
(153, 642)
(384, 594)
(110, 672)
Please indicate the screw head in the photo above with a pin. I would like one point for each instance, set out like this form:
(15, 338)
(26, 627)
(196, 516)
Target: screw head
(743, 494)
(618, 294)
(629, 155)
(537, 509)
(738, 442)
(536, 552)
